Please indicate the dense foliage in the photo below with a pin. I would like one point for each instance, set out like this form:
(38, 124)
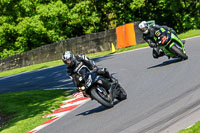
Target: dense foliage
(27, 24)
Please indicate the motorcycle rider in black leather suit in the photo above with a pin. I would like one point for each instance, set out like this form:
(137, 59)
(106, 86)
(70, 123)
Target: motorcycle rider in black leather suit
(75, 62)
(148, 36)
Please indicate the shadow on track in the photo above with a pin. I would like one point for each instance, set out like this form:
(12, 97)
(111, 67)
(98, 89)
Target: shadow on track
(165, 63)
(98, 109)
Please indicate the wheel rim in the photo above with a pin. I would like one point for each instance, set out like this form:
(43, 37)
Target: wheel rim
(104, 95)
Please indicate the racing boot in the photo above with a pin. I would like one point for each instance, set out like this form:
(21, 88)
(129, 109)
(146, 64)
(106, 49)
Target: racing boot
(104, 72)
(157, 52)
(108, 86)
(107, 75)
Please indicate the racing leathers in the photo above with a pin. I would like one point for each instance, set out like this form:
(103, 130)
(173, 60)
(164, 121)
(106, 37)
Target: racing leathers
(81, 60)
(149, 38)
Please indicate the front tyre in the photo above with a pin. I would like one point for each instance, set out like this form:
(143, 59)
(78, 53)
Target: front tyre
(100, 97)
(179, 52)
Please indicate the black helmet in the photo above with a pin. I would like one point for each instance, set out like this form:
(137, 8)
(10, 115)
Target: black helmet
(68, 58)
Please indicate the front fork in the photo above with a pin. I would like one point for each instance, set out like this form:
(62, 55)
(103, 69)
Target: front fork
(104, 83)
(112, 88)
(179, 43)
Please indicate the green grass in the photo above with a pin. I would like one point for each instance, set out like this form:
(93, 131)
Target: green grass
(194, 129)
(132, 47)
(31, 68)
(190, 33)
(28, 107)
(98, 54)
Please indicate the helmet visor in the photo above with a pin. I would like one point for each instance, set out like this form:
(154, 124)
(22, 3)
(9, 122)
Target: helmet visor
(144, 29)
(68, 61)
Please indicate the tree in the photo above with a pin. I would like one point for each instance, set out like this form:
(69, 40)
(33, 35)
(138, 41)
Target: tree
(84, 18)
(27, 24)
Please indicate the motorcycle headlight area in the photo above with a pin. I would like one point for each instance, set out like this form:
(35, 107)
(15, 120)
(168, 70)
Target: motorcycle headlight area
(82, 88)
(80, 78)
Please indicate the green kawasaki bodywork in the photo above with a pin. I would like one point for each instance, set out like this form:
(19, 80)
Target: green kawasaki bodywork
(173, 37)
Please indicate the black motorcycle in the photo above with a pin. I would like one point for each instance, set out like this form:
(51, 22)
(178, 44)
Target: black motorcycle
(93, 86)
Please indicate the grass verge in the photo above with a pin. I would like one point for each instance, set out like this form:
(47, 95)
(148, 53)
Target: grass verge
(194, 129)
(190, 33)
(28, 107)
(187, 34)
(31, 68)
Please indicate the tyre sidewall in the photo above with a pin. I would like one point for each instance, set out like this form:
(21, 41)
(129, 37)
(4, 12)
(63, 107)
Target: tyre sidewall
(99, 99)
(179, 52)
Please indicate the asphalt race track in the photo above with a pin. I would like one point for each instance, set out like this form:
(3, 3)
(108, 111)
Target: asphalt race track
(161, 93)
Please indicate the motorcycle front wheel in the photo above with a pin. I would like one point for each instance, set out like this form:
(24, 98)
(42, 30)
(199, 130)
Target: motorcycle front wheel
(179, 52)
(102, 97)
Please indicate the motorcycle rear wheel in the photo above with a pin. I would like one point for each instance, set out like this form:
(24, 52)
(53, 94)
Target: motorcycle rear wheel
(97, 96)
(179, 52)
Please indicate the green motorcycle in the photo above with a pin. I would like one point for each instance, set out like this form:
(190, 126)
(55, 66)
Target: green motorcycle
(170, 44)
